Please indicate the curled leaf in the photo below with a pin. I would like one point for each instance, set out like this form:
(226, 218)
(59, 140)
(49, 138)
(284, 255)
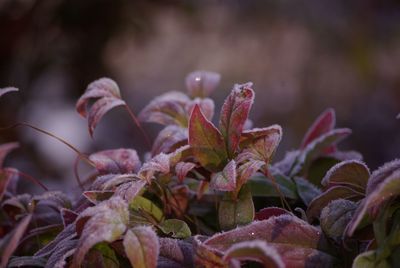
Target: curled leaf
(323, 124)
(141, 247)
(6, 90)
(206, 141)
(116, 161)
(107, 96)
(234, 114)
(226, 179)
(202, 83)
(182, 169)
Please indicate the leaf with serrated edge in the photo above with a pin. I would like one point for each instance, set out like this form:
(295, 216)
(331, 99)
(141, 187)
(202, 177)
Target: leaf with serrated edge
(206, 142)
(225, 180)
(386, 190)
(202, 83)
(167, 109)
(108, 96)
(318, 203)
(104, 222)
(351, 173)
(234, 113)
(116, 161)
(142, 247)
(324, 123)
(12, 240)
(255, 250)
(182, 169)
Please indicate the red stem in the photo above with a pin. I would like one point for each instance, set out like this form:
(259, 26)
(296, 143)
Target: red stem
(26, 176)
(137, 123)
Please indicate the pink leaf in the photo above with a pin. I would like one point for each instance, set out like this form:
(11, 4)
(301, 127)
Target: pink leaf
(226, 179)
(246, 170)
(167, 109)
(5, 149)
(206, 141)
(6, 90)
(206, 106)
(160, 163)
(13, 239)
(182, 169)
(324, 123)
(116, 161)
(107, 96)
(131, 189)
(142, 247)
(266, 213)
(169, 138)
(104, 222)
(202, 83)
(234, 114)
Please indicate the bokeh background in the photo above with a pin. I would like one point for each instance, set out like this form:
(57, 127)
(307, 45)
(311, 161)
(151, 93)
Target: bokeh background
(303, 56)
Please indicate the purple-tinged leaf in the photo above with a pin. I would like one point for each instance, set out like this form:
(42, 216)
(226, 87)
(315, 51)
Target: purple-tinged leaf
(398, 116)
(182, 169)
(158, 164)
(233, 213)
(387, 190)
(323, 124)
(142, 247)
(107, 96)
(61, 253)
(317, 147)
(202, 83)
(12, 239)
(335, 217)
(336, 192)
(5, 179)
(234, 113)
(287, 163)
(260, 143)
(65, 235)
(379, 175)
(6, 90)
(116, 161)
(175, 228)
(248, 124)
(226, 179)
(106, 221)
(255, 250)
(26, 261)
(267, 213)
(206, 106)
(54, 199)
(18, 205)
(96, 197)
(131, 189)
(179, 155)
(167, 109)
(168, 138)
(176, 250)
(247, 170)
(5, 149)
(306, 190)
(68, 216)
(346, 155)
(206, 142)
(351, 173)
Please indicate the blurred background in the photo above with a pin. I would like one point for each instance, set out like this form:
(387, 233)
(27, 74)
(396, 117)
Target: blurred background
(303, 57)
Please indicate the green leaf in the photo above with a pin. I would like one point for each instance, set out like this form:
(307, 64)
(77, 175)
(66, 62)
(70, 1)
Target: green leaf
(233, 213)
(142, 247)
(141, 208)
(264, 187)
(368, 260)
(175, 228)
(306, 190)
(234, 113)
(206, 142)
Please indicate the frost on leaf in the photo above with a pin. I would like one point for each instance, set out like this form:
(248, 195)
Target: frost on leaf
(182, 169)
(381, 174)
(202, 83)
(6, 90)
(226, 179)
(106, 95)
(104, 222)
(116, 161)
(169, 138)
(323, 124)
(234, 113)
(206, 142)
(142, 247)
(159, 163)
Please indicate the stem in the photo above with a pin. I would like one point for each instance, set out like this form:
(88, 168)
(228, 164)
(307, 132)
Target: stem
(81, 155)
(76, 173)
(137, 123)
(26, 176)
(281, 196)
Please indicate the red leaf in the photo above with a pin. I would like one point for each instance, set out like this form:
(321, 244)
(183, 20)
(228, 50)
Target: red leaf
(5, 149)
(182, 169)
(206, 141)
(108, 96)
(234, 114)
(324, 123)
(116, 161)
(226, 179)
(7, 90)
(202, 83)
(266, 213)
(13, 239)
(68, 216)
